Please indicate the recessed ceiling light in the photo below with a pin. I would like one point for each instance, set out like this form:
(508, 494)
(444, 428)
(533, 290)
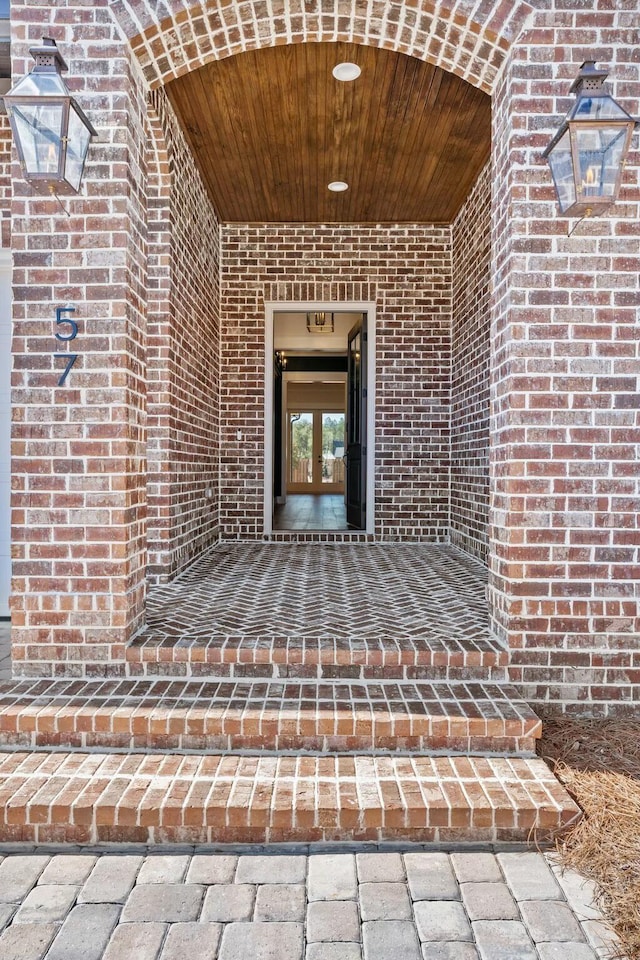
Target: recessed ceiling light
(346, 71)
(338, 186)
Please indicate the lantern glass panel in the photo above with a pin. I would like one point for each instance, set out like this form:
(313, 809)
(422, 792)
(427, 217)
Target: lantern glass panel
(77, 145)
(39, 129)
(599, 151)
(40, 85)
(598, 108)
(561, 165)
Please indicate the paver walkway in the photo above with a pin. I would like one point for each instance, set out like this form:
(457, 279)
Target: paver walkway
(309, 904)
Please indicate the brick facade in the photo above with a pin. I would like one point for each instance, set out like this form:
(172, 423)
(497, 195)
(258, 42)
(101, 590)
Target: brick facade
(565, 389)
(79, 479)
(564, 340)
(183, 356)
(407, 272)
(471, 358)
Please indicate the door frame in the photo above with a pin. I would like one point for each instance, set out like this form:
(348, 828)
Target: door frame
(272, 307)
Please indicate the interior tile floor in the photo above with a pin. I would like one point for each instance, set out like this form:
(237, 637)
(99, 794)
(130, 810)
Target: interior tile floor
(400, 591)
(303, 511)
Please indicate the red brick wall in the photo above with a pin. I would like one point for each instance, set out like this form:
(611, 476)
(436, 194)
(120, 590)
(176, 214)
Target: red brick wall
(407, 271)
(78, 451)
(471, 349)
(183, 353)
(565, 368)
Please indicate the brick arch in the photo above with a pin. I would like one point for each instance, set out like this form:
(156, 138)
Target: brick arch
(468, 38)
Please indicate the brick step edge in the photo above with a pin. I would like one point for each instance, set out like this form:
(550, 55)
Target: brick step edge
(89, 798)
(308, 651)
(188, 669)
(139, 715)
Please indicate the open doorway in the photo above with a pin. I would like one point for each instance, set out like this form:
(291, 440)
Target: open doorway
(319, 418)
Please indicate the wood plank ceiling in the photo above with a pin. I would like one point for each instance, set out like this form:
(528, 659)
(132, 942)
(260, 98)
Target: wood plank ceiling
(270, 129)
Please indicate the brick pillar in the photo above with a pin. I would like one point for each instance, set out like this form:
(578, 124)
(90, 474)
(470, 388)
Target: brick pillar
(78, 503)
(565, 366)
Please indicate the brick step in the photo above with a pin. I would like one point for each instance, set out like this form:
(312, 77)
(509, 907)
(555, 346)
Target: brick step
(317, 658)
(329, 717)
(95, 797)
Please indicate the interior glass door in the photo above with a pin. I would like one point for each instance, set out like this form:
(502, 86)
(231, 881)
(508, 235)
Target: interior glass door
(300, 450)
(316, 445)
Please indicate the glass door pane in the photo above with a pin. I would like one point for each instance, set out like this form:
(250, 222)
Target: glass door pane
(333, 447)
(301, 448)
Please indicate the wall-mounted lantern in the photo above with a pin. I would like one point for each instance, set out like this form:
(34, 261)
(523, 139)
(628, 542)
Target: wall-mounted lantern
(51, 132)
(588, 152)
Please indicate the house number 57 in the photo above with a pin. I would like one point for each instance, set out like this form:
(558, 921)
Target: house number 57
(67, 330)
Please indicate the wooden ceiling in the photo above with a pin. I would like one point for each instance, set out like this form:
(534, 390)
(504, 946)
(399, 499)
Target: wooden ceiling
(270, 129)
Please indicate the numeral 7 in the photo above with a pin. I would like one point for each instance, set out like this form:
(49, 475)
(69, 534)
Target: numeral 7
(71, 359)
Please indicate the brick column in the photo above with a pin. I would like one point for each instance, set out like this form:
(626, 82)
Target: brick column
(78, 503)
(565, 368)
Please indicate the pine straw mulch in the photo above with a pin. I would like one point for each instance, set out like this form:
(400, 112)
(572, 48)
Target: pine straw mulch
(598, 761)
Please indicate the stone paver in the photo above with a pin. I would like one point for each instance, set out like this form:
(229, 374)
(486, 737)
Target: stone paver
(46, 904)
(580, 892)
(262, 941)
(212, 868)
(442, 920)
(111, 880)
(271, 869)
(139, 940)
(192, 941)
(333, 951)
(29, 941)
(280, 901)
(599, 937)
(384, 901)
(431, 876)
(85, 933)
(489, 901)
(68, 868)
(377, 867)
(164, 902)
(503, 940)
(450, 951)
(295, 904)
(550, 920)
(390, 940)
(332, 877)
(331, 920)
(529, 876)
(566, 951)
(476, 867)
(163, 869)
(18, 874)
(228, 903)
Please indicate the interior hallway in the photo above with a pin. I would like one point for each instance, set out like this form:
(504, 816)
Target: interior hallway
(304, 511)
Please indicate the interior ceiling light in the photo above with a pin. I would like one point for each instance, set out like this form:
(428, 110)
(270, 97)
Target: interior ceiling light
(338, 186)
(346, 71)
(320, 322)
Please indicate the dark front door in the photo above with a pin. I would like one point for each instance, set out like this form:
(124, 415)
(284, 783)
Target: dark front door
(356, 453)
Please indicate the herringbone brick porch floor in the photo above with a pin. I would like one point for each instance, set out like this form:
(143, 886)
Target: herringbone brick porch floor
(304, 591)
